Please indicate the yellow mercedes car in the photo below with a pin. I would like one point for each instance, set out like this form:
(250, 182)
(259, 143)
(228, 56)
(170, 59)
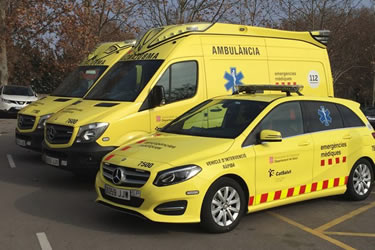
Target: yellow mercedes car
(234, 155)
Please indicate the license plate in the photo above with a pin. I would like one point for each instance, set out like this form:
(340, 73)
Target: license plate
(51, 160)
(20, 142)
(122, 194)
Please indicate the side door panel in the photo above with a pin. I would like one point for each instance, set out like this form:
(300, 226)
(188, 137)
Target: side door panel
(331, 141)
(282, 169)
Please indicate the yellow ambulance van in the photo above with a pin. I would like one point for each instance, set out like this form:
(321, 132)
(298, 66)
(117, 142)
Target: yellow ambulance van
(31, 119)
(170, 70)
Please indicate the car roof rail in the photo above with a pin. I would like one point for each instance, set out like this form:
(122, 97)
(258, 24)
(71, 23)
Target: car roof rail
(260, 88)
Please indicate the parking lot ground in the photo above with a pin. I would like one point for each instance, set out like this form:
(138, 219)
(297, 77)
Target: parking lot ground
(46, 208)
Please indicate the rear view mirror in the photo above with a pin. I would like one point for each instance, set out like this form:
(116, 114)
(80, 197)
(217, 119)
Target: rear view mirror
(268, 135)
(157, 96)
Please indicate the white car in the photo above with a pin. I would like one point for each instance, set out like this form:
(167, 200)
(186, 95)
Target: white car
(13, 98)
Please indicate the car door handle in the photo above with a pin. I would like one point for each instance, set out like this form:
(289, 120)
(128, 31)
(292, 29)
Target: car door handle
(304, 143)
(347, 137)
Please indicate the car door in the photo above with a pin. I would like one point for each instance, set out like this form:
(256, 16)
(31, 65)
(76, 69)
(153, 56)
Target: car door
(331, 143)
(283, 169)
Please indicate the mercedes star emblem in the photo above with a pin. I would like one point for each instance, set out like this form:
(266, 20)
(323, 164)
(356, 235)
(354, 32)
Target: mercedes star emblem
(51, 132)
(118, 176)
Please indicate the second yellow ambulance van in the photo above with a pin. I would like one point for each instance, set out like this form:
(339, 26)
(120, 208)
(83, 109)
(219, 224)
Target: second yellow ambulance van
(170, 70)
(31, 119)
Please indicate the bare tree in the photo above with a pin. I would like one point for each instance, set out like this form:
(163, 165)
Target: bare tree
(315, 13)
(3, 49)
(254, 12)
(48, 38)
(91, 21)
(373, 58)
(164, 12)
(350, 39)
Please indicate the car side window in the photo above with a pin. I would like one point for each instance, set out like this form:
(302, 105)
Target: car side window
(349, 118)
(320, 116)
(285, 118)
(179, 81)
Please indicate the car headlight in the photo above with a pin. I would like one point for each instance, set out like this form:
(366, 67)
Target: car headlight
(176, 175)
(91, 132)
(5, 100)
(42, 121)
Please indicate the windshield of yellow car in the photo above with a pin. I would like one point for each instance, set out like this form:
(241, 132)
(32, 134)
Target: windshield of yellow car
(225, 118)
(78, 82)
(124, 81)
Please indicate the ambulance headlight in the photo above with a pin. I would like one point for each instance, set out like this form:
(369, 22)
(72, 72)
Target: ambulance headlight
(91, 132)
(42, 121)
(176, 175)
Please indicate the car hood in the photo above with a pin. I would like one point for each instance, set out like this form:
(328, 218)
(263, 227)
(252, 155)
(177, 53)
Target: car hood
(47, 105)
(165, 150)
(87, 111)
(20, 98)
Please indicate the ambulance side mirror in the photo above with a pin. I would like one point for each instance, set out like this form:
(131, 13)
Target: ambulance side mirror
(157, 96)
(268, 135)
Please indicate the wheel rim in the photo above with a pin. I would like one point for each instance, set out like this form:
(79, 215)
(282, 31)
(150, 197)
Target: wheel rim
(362, 179)
(225, 206)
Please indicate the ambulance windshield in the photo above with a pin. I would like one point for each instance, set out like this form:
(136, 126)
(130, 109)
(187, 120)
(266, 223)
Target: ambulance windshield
(124, 81)
(77, 83)
(218, 118)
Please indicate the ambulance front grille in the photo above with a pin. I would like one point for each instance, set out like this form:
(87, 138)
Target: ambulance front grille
(132, 177)
(25, 121)
(58, 134)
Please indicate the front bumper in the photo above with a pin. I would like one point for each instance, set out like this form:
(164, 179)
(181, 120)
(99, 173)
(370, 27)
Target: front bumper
(32, 140)
(81, 158)
(152, 198)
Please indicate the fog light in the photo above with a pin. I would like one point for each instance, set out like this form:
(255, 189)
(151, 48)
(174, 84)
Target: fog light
(64, 163)
(172, 208)
(28, 143)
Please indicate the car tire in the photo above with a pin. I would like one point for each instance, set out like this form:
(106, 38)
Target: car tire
(360, 181)
(223, 206)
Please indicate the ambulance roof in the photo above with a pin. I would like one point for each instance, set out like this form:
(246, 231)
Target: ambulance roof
(157, 36)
